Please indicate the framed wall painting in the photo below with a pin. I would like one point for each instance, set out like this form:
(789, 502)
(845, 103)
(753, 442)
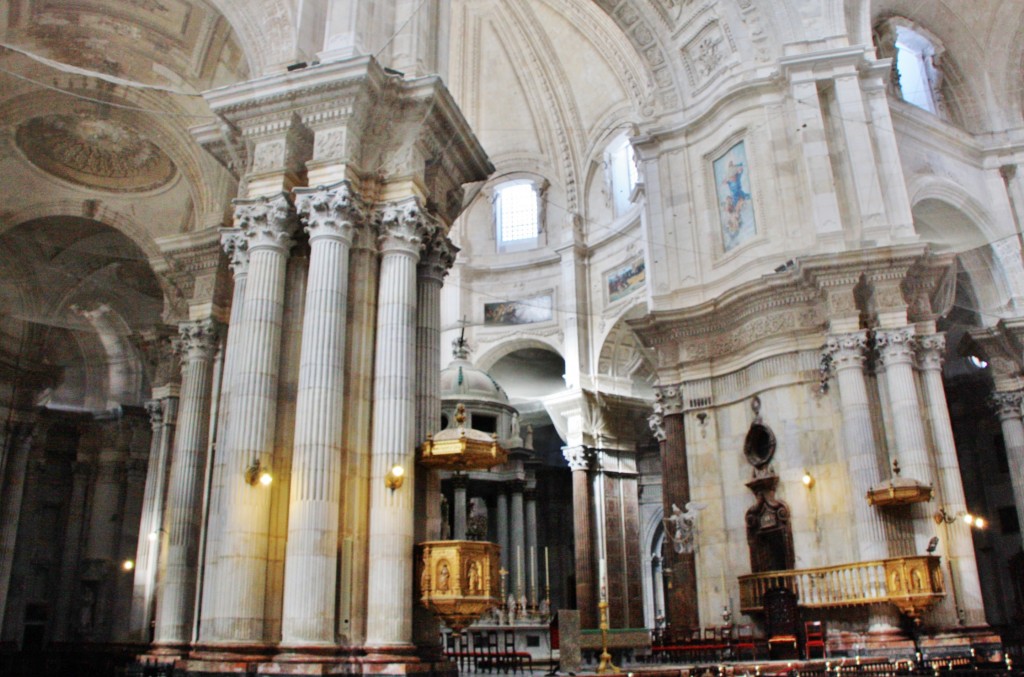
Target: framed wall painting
(735, 202)
(625, 280)
(523, 311)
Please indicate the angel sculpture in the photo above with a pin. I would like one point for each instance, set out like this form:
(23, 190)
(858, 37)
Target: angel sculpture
(681, 527)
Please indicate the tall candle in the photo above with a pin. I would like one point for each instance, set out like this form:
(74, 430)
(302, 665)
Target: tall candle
(602, 578)
(533, 574)
(519, 571)
(547, 572)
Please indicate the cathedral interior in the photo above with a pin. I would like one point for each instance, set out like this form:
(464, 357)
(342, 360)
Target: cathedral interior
(328, 327)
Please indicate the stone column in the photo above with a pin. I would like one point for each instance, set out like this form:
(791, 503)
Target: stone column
(848, 355)
(147, 552)
(236, 246)
(176, 597)
(579, 459)
(517, 540)
(530, 550)
(1008, 407)
(959, 544)
(459, 482)
(502, 524)
(389, 589)
(896, 349)
(268, 224)
(12, 489)
(437, 257)
(681, 610)
(311, 555)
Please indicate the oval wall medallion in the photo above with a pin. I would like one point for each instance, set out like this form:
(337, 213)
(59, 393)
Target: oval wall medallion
(104, 154)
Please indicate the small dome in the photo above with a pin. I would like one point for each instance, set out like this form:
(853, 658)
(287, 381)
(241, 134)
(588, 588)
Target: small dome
(461, 381)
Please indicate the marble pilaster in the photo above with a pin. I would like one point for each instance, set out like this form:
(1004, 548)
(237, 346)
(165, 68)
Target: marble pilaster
(580, 459)
(176, 596)
(311, 555)
(268, 224)
(681, 608)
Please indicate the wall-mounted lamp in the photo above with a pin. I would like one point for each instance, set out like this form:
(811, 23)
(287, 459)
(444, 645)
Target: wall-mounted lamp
(128, 564)
(393, 480)
(976, 521)
(702, 421)
(257, 473)
(807, 479)
(155, 534)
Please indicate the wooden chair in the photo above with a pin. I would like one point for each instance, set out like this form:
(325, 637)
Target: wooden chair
(780, 614)
(745, 641)
(814, 638)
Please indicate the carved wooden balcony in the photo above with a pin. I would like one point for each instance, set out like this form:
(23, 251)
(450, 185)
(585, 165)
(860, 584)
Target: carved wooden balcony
(912, 584)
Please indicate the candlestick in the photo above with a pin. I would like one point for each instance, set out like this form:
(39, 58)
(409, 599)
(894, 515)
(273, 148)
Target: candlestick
(547, 571)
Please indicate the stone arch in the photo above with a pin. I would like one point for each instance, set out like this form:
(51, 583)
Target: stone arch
(623, 360)
(266, 30)
(488, 359)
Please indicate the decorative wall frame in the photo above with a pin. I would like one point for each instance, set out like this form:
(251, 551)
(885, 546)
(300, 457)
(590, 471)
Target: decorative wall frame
(734, 197)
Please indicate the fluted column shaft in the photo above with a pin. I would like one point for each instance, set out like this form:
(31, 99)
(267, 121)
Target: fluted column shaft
(268, 225)
(311, 556)
(896, 349)
(148, 549)
(459, 483)
(236, 246)
(1008, 406)
(579, 459)
(389, 615)
(437, 257)
(960, 546)
(15, 474)
(848, 353)
(176, 597)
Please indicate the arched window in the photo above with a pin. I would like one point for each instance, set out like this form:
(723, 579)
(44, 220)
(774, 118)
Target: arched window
(917, 64)
(517, 214)
(622, 174)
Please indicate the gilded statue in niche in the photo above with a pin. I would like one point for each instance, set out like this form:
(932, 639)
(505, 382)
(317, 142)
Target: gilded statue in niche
(443, 576)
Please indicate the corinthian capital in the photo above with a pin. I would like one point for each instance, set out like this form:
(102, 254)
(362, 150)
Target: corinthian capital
(438, 256)
(268, 222)
(578, 458)
(236, 246)
(895, 345)
(198, 339)
(656, 421)
(155, 409)
(404, 226)
(930, 350)
(847, 350)
(330, 211)
(1006, 404)
(668, 400)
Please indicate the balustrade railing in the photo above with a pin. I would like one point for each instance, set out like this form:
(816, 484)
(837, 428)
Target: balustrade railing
(911, 583)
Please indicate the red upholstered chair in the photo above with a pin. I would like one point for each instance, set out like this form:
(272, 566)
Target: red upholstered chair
(745, 641)
(814, 638)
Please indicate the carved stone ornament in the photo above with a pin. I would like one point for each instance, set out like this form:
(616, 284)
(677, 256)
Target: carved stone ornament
(330, 211)
(98, 153)
(759, 444)
(578, 458)
(199, 339)
(931, 350)
(656, 421)
(1006, 404)
(895, 345)
(847, 350)
(405, 226)
(668, 400)
(438, 256)
(155, 409)
(236, 246)
(268, 222)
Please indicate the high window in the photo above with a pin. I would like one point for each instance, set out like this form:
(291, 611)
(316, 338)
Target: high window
(622, 174)
(915, 65)
(517, 214)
